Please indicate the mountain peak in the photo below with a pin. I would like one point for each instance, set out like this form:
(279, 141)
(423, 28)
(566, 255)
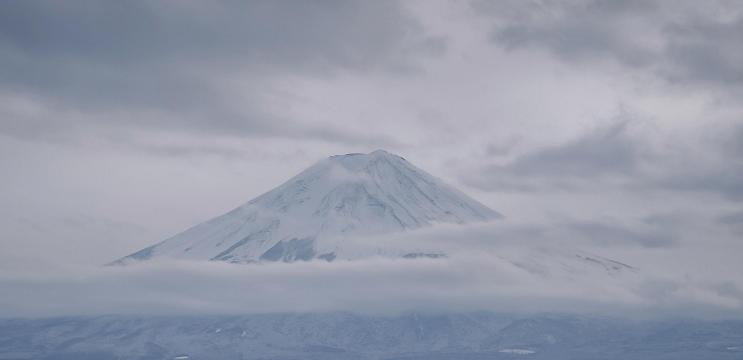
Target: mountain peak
(363, 159)
(381, 152)
(311, 214)
(357, 163)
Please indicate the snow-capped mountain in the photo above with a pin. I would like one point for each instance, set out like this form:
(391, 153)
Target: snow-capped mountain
(311, 214)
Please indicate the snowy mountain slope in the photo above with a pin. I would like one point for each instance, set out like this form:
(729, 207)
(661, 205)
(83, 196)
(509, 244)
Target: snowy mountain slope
(309, 216)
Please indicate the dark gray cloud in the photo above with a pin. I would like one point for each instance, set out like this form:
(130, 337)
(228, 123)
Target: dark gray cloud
(607, 151)
(731, 142)
(312, 33)
(192, 66)
(723, 180)
(572, 30)
(621, 155)
(683, 42)
(721, 172)
(732, 218)
(602, 152)
(704, 50)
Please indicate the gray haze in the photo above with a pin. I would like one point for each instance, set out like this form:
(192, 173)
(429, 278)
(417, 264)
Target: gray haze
(615, 124)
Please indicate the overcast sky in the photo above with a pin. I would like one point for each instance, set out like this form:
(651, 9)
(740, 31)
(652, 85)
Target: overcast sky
(123, 123)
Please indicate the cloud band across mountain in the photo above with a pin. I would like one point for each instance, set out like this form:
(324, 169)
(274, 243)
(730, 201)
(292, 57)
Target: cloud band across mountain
(497, 267)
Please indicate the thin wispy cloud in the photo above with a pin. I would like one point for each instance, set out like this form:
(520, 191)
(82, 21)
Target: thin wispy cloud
(507, 268)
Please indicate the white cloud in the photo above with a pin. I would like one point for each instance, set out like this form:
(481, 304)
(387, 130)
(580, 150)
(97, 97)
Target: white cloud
(497, 267)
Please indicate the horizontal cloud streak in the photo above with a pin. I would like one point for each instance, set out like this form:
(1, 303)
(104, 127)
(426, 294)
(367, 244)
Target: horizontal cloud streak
(489, 267)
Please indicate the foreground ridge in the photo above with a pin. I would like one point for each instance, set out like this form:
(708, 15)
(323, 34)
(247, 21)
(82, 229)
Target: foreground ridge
(345, 336)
